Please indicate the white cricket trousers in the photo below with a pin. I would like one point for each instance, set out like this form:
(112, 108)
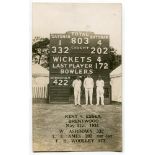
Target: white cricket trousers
(77, 93)
(88, 93)
(100, 94)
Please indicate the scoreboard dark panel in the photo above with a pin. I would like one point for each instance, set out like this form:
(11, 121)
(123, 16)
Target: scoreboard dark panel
(77, 53)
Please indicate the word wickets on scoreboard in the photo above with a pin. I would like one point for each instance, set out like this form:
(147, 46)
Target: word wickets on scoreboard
(77, 53)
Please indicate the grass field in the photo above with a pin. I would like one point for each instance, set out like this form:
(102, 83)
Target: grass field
(49, 119)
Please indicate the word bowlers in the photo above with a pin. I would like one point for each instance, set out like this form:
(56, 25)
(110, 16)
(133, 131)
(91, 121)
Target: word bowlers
(76, 71)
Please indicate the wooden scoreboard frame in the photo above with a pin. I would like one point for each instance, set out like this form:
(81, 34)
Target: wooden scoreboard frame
(77, 53)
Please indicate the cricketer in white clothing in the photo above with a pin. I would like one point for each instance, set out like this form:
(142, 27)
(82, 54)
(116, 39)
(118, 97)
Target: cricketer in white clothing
(77, 90)
(100, 90)
(88, 85)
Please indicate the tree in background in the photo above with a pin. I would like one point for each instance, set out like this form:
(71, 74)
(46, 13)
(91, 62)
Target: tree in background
(114, 59)
(40, 54)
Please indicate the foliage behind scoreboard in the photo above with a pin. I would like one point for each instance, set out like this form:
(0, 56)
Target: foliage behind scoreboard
(77, 53)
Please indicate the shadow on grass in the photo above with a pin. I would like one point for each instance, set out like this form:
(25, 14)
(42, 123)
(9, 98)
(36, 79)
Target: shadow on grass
(45, 101)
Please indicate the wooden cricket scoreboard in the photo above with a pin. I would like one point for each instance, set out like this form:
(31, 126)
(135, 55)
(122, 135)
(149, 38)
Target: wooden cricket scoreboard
(77, 53)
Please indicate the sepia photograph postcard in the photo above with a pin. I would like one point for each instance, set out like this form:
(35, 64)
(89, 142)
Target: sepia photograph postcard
(77, 77)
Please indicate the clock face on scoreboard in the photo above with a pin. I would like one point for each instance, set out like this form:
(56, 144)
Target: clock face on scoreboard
(76, 53)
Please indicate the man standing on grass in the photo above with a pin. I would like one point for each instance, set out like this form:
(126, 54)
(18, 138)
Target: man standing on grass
(88, 85)
(100, 90)
(77, 90)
